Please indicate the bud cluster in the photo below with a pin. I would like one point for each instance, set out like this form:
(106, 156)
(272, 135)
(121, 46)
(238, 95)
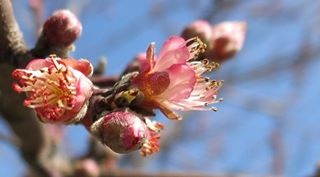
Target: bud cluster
(223, 40)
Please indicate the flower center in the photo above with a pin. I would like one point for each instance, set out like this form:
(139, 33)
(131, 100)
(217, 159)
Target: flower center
(156, 83)
(47, 87)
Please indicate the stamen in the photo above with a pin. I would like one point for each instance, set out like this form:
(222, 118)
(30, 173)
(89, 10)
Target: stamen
(215, 83)
(210, 66)
(151, 145)
(205, 62)
(196, 46)
(47, 87)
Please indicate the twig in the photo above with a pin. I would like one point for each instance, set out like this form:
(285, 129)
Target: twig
(11, 40)
(124, 173)
(21, 119)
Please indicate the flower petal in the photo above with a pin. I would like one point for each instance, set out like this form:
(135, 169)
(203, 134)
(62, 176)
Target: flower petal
(144, 66)
(37, 64)
(81, 65)
(83, 88)
(172, 43)
(174, 51)
(182, 81)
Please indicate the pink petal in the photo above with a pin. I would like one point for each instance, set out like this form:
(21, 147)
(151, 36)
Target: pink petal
(182, 81)
(84, 91)
(84, 88)
(143, 62)
(172, 42)
(81, 65)
(174, 51)
(37, 64)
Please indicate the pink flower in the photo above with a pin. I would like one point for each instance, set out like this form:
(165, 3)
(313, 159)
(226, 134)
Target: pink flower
(57, 89)
(174, 81)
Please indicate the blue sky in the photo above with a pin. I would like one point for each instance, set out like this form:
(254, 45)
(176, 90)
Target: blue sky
(237, 138)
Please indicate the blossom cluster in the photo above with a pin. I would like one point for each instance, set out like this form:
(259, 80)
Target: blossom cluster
(174, 80)
(59, 91)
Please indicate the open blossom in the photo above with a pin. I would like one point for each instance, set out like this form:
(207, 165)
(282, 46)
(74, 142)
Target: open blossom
(57, 89)
(174, 81)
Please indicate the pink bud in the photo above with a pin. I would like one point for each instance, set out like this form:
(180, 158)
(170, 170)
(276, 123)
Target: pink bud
(87, 168)
(227, 39)
(62, 28)
(199, 28)
(122, 131)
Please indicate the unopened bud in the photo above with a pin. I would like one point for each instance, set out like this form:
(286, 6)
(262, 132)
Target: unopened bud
(227, 39)
(62, 28)
(87, 168)
(122, 131)
(199, 28)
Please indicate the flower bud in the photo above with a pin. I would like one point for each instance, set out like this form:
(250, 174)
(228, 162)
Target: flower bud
(62, 28)
(87, 168)
(227, 39)
(122, 131)
(199, 28)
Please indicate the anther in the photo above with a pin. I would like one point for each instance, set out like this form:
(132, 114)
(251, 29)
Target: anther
(214, 109)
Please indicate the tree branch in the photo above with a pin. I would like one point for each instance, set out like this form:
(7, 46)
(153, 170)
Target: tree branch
(22, 120)
(11, 40)
(122, 173)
